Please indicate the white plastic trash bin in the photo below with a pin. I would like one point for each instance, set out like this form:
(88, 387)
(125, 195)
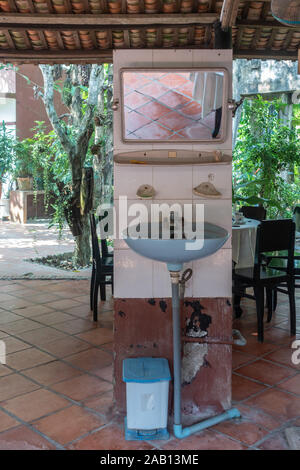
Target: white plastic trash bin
(147, 392)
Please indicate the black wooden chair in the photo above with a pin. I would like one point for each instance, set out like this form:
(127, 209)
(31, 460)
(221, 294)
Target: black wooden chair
(280, 262)
(102, 270)
(254, 212)
(272, 235)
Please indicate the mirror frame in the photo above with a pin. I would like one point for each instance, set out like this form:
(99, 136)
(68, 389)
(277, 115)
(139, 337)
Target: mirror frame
(223, 127)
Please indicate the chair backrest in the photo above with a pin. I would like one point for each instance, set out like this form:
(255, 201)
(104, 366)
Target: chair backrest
(296, 217)
(95, 242)
(254, 212)
(276, 235)
(104, 249)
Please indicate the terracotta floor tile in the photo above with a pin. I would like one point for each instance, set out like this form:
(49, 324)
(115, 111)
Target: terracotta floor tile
(42, 336)
(175, 121)
(13, 385)
(153, 110)
(173, 80)
(101, 403)
(44, 297)
(28, 358)
(34, 405)
(174, 100)
(106, 373)
(7, 317)
(71, 294)
(254, 348)
(243, 388)
(14, 345)
(85, 299)
(278, 336)
(5, 297)
(82, 387)
(90, 359)
(134, 121)
(256, 415)
(10, 287)
(75, 326)
(242, 430)
(285, 326)
(109, 438)
(16, 303)
(66, 346)
(23, 438)
(33, 311)
(135, 81)
(195, 130)
(265, 372)
(277, 403)
(20, 326)
(51, 373)
(192, 109)
(154, 131)
(4, 370)
(97, 336)
(25, 293)
(275, 442)
(69, 424)
(283, 356)
(37, 283)
(63, 304)
(136, 99)
(239, 358)
(51, 318)
(154, 90)
(108, 347)
(7, 422)
(205, 440)
(291, 385)
(81, 311)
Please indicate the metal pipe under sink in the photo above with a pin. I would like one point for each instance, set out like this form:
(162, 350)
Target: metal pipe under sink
(178, 430)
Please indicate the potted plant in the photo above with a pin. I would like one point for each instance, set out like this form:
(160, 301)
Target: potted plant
(23, 165)
(7, 143)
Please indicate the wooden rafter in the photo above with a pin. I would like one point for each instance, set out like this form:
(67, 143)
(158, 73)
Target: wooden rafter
(9, 40)
(12, 5)
(229, 13)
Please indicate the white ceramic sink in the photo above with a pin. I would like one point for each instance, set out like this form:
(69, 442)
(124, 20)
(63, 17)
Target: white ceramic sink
(174, 251)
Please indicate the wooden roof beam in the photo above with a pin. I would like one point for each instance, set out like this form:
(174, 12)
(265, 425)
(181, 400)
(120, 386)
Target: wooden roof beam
(105, 21)
(264, 24)
(265, 54)
(56, 57)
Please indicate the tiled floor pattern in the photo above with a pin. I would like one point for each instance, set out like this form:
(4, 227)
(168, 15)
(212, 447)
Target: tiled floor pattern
(161, 106)
(56, 388)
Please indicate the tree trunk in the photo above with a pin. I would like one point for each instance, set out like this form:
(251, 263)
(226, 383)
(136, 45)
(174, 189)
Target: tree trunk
(82, 253)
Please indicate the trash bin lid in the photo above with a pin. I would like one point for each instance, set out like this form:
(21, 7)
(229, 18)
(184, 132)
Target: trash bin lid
(146, 369)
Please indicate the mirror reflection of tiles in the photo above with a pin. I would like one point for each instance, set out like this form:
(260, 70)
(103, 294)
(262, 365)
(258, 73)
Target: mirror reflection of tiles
(172, 105)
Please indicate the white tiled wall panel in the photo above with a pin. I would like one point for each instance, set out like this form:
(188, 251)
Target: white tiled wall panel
(138, 277)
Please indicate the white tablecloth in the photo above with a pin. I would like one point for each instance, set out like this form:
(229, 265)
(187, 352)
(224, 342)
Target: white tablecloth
(243, 243)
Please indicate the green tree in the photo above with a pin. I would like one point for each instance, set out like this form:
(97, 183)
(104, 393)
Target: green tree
(266, 157)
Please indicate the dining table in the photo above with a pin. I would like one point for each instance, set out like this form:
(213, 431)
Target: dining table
(243, 242)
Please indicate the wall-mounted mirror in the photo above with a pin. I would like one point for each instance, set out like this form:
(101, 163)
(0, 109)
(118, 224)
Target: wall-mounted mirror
(176, 105)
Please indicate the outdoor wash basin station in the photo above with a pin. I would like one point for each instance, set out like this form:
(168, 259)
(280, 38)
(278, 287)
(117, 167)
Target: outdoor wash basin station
(173, 148)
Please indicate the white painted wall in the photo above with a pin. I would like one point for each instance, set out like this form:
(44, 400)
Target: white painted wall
(138, 277)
